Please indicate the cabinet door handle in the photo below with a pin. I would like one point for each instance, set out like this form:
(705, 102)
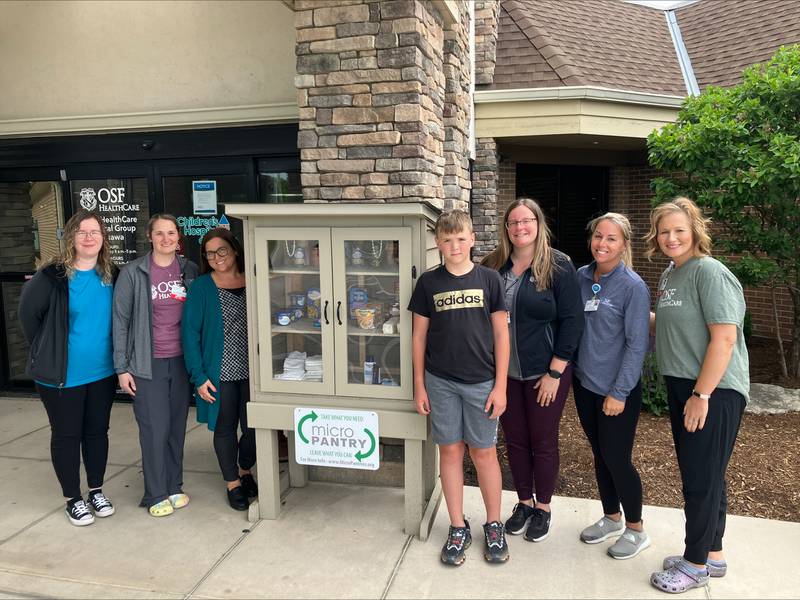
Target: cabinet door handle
(325, 313)
(338, 313)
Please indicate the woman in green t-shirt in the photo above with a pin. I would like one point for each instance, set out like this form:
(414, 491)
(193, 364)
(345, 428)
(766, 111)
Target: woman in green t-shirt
(701, 353)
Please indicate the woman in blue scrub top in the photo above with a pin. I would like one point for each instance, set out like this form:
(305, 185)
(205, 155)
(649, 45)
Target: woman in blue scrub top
(65, 311)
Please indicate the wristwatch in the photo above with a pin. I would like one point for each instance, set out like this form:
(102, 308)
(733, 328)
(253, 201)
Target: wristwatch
(554, 374)
(701, 396)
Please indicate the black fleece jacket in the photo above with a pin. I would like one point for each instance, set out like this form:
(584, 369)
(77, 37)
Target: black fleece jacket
(547, 323)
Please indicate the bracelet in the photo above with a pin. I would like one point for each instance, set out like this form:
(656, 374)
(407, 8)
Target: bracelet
(701, 396)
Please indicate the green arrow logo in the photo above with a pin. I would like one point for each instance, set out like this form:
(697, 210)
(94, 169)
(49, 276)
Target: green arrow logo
(359, 455)
(313, 416)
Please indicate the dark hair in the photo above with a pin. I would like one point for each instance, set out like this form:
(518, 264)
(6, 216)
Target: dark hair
(162, 217)
(227, 236)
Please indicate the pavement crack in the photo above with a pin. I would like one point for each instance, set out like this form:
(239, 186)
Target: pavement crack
(24, 435)
(396, 568)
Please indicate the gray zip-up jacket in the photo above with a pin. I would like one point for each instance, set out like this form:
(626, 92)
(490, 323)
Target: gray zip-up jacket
(133, 316)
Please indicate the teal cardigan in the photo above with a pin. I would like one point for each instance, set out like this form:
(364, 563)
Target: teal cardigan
(202, 338)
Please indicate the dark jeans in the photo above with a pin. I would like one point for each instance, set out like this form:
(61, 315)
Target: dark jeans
(531, 433)
(79, 419)
(703, 458)
(233, 398)
(611, 439)
(161, 406)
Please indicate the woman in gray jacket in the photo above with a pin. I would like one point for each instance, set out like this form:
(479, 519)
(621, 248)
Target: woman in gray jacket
(148, 359)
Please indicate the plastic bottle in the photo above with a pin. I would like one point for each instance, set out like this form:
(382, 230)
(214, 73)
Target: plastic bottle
(369, 369)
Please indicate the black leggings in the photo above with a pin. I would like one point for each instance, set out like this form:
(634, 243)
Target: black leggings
(79, 422)
(233, 398)
(612, 439)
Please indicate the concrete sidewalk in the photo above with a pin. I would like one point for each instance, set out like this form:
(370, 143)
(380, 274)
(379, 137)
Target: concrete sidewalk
(331, 541)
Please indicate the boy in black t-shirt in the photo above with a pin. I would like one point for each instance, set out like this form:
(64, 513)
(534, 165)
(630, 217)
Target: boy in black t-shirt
(460, 353)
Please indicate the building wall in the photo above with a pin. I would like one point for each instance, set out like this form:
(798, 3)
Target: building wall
(80, 60)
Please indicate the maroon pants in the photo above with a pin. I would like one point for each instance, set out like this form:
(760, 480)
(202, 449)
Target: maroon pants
(531, 433)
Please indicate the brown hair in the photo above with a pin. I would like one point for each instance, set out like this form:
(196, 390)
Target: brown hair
(697, 221)
(543, 262)
(453, 221)
(227, 237)
(104, 266)
(161, 217)
(624, 225)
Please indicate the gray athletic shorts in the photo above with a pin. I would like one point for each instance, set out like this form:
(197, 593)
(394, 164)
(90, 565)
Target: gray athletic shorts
(457, 412)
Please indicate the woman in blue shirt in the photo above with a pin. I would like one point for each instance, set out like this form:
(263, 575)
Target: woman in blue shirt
(65, 310)
(606, 381)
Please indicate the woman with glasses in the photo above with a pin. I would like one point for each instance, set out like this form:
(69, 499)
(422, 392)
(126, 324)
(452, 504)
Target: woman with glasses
(545, 322)
(215, 340)
(148, 358)
(65, 310)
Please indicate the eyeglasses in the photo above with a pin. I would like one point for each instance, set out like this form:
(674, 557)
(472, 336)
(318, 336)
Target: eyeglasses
(88, 234)
(221, 252)
(523, 222)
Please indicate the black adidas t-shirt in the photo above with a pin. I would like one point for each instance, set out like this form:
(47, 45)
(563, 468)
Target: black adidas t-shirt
(460, 338)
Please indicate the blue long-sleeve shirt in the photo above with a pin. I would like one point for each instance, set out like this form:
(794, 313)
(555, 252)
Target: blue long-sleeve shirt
(616, 335)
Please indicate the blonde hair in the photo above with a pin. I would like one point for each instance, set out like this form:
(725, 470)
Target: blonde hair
(453, 221)
(697, 221)
(624, 225)
(543, 262)
(104, 266)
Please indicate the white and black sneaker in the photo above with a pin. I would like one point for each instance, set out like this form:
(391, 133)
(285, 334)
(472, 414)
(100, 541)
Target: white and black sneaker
(78, 513)
(101, 505)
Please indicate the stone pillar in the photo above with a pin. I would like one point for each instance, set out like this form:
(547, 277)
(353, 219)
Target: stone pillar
(484, 196)
(486, 18)
(371, 94)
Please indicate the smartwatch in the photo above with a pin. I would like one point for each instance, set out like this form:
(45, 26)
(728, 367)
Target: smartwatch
(701, 396)
(554, 374)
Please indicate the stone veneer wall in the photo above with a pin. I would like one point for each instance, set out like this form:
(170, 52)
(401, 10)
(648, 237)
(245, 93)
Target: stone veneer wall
(378, 119)
(486, 12)
(484, 196)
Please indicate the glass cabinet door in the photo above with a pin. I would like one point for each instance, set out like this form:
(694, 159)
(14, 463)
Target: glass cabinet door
(373, 327)
(296, 309)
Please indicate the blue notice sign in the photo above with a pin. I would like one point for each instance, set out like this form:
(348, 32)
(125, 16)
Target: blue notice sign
(204, 197)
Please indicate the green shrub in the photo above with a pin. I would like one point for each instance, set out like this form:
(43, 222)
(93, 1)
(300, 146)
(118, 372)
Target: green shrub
(654, 392)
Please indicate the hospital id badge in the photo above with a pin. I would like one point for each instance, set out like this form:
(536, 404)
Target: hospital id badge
(591, 305)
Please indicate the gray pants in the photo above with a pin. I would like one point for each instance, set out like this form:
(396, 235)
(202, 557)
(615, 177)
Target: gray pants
(161, 406)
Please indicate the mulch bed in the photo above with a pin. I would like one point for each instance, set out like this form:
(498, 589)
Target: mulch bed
(763, 474)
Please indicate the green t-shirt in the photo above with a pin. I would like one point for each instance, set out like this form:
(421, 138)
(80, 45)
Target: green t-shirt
(702, 292)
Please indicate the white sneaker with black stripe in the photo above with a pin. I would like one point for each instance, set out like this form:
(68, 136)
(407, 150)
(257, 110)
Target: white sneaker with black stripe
(101, 505)
(78, 513)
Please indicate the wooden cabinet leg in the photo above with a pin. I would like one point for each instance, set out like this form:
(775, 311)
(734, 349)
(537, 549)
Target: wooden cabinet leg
(298, 474)
(269, 497)
(414, 486)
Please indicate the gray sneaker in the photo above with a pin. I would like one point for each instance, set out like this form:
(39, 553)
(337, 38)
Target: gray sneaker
(630, 543)
(602, 530)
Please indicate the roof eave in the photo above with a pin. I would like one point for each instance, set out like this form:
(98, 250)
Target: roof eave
(582, 92)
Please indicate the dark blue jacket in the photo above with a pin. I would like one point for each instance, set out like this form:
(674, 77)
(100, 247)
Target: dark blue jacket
(547, 323)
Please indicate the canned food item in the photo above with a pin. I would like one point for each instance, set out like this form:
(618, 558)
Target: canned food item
(297, 299)
(284, 317)
(313, 301)
(299, 313)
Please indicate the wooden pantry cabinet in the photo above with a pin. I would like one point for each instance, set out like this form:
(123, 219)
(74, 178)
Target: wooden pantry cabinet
(327, 291)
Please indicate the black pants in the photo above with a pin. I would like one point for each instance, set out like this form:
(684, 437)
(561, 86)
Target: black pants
(612, 440)
(233, 398)
(703, 458)
(79, 423)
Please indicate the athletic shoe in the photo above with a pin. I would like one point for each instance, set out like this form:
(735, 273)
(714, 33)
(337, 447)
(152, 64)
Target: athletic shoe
(178, 500)
(496, 547)
(602, 530)
(78, 513)
(519, 518)
(713, 570)
(161, 509)
(630, 543)
(101, 505)
(539, 527)
(458, 540)
(237, 498)
(249, 485)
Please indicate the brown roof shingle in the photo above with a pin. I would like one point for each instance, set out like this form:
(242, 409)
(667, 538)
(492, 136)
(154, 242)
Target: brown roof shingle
(724, 37)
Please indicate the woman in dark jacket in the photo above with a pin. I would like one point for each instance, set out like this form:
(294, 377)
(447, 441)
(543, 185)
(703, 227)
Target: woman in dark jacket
(214, 330)
(545, 323)
(65, 310)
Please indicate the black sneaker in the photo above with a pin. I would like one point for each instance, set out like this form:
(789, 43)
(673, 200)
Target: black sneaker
(249, 485)
(496, 547)
(539, 527)
(78, 513)
(458, 540)
(101, 505)
(237, 498)
(519, 518)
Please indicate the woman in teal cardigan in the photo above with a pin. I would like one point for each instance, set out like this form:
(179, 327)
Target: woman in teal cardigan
(214, 332)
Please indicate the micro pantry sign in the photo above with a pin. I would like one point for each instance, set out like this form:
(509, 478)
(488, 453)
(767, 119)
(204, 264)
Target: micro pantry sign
(336, 438)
